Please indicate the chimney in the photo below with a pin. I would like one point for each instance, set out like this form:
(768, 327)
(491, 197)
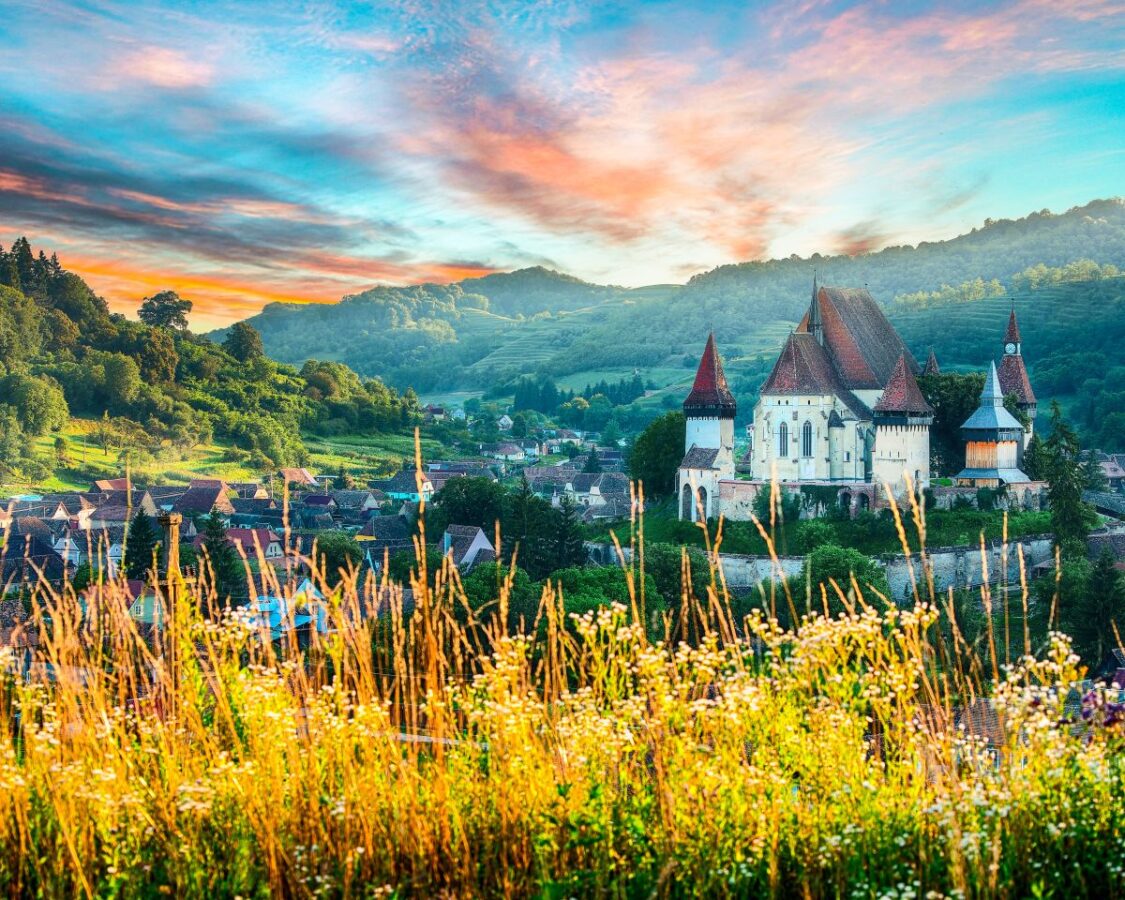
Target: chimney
(170, 552)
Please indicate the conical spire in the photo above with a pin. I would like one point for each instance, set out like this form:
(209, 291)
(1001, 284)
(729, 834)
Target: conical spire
(710, 395)
(1012, 335)
(902, 394)
(815, 326)
(992, 395)
(932, 367)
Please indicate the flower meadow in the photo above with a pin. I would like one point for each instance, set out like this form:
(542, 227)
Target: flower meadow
(423, 748)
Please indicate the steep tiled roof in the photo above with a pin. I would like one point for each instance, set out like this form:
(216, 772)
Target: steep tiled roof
(1013, 332)
(991, 415)
(861, 342)
(902, 394)
(804, 368)
(1013, 378)
(932, 367)
(710, 390)
(202, 498)
(699, 458)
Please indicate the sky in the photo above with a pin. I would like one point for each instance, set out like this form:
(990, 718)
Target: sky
(242, 153)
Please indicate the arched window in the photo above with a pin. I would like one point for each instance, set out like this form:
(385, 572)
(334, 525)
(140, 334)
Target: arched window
(807, 440)
(782, 439)
(702, 508)
(686, 506)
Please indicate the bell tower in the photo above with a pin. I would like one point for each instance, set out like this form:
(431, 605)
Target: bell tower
(710, 409)
(1013, 378)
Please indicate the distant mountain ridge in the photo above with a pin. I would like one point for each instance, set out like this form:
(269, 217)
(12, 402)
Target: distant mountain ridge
(467, 334)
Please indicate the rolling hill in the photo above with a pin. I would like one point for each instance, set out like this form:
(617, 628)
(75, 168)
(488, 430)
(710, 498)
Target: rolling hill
(441, 339)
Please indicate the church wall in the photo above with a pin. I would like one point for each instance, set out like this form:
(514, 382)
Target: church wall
(712, 433)
(899, 449)
(794, 411)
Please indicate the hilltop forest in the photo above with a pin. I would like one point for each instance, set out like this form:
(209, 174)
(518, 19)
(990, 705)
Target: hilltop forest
(478, 332)
(152, 384)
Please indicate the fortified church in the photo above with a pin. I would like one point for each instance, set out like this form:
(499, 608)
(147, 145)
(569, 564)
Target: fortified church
(842, 408)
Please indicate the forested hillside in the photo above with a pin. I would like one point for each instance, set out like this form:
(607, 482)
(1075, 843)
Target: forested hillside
(153, 385)
(534, 321)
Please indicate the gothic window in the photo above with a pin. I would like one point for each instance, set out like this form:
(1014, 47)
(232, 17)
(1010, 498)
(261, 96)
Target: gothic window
(703, 514)
(686, 508)
(807, 440)
(782, 439)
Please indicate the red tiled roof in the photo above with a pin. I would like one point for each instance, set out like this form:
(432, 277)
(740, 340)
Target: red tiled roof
(1013, 377)
(861, 342)
(901, 394)
(932, 367)
(804, 368)
(1013, 332)
(710, 388)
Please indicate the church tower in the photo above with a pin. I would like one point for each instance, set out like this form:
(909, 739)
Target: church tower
(993, 437)
(902, 434)
(1014, 380)
(710, 409)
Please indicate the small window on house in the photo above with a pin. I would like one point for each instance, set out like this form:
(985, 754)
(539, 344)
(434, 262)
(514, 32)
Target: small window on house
(847, 456)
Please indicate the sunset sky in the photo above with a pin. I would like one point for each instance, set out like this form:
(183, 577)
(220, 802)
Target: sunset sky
(242, 153)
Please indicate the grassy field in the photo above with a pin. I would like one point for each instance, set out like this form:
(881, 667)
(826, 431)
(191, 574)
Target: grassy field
(87, 461)
(634, 750)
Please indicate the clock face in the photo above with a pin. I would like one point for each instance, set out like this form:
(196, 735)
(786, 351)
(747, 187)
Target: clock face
(1010, 347)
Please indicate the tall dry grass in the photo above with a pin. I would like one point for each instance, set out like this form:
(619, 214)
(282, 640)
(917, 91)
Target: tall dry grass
(431, 753)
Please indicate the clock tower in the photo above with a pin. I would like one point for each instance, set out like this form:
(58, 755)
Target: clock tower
(1013, 379)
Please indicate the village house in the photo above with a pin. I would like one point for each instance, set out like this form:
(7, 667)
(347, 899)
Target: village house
(297, 477)
(468, 545)
(407, 485)
(504, 423)
(505, 450)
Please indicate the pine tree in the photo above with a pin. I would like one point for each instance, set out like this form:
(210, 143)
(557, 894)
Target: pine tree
(144, 539)
(593, 464)
(1071, 518)
(222, 560)
(569, 547)
(1090, 614)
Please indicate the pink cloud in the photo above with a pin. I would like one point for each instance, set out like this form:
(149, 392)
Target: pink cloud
(162, 67)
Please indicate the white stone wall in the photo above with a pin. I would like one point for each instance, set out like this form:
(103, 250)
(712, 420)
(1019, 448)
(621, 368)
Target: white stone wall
(794, 411)
(901, 450)
(713, 434)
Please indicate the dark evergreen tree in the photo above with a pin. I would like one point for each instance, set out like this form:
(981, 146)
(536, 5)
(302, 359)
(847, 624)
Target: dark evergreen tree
(593, 465)
(1089, 615)
(569, 547)
(143, 541)
(1071, 517)
(223, 568)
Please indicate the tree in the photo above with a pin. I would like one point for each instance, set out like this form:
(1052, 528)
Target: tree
(122, 380)
(1071, 517)
(593, 465)
(38, 402)
(832, 562)
(530, 530)
(343, 481)
(657, 453)
(482, 588)
(1092, 607)
(62, 452)
(664, 562)
(223, 567)
(243, 342)
(165, 310)
(611, 434)
(469, 501)
(570, 549)
(337, 552)
(144, 539)
(954, 397)
(1035, 459)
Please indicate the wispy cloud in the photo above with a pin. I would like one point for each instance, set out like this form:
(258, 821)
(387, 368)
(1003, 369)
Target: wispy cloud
(274, 151)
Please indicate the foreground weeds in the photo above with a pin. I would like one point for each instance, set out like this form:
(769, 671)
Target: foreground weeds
(411, 754)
